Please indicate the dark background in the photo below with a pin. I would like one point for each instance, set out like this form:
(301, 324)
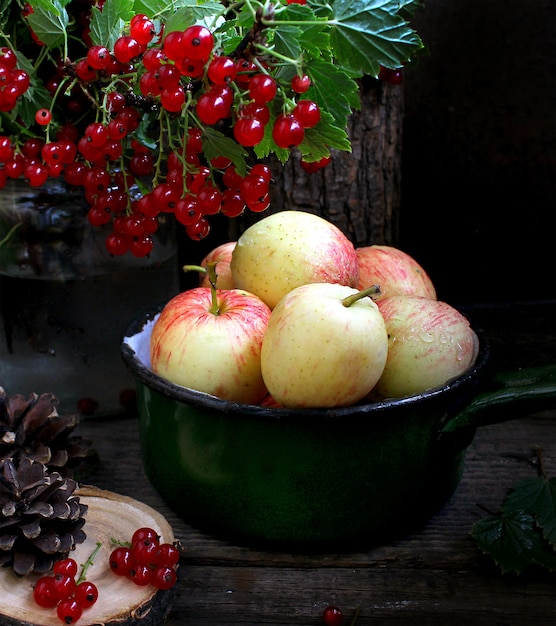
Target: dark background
(479, 166)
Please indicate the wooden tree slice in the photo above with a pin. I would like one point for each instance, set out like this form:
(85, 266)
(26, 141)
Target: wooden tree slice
(120, 602)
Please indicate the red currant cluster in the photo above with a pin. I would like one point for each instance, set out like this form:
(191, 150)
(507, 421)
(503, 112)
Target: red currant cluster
(185, 81)
(61, 590)
(14, 82)
(146, 561)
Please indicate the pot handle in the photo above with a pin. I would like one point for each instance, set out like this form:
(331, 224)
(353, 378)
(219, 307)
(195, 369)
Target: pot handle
(512, 394)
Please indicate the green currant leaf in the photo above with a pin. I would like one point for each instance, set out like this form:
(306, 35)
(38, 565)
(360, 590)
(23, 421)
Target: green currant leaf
(107, 25)
(333, 90)
(369, 33)
(321, 138)
(286, 41)
(513, 541)
(308, 33)
(538, 497)
(49, 22)
(216, 144)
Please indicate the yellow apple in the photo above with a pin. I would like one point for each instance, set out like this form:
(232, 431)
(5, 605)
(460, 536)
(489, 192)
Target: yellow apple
(318, 351)
(289, 249)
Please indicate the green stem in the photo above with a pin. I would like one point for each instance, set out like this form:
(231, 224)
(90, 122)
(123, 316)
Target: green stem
(88, 563)
(373, 290)
(355, 616)
(210, 270)
(10, 233)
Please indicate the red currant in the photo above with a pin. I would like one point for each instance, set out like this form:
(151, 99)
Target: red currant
(187, 211)
(248, 131)
(86, 593)
(173, 99)
(332, 616)
(63, 586)
(167, 555)
(122, 561)
(141, 246)
(253, 188)
(43, 592)
(164, 577)
(232, 203)
(36, 174)
(117, 244)
(300, 84)
(287, 131)
(262, 88)
(221, 70)
(199, 230)
(126, 49)
(43, 117)
(141, 574)
(7, 150)
(145, 533)
(392, 76)
(212, 107)
(141, 28)
(197, 42)
(314, 166)
(145, 551)
(307, 112)
(84, 71)
(65, 566)
(69, 610)
(98, 57)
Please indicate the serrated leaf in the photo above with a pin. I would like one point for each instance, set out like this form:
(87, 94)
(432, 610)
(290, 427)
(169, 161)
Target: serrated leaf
(311, 36)
(513, 541)
(216, 144)
(366, 35)
(107, 25)
(321, 138)
(333, 90)
(286, 41)
(537, 496)
(49, 22)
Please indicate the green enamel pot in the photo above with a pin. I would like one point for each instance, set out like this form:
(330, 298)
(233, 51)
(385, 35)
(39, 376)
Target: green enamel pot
(316, 479)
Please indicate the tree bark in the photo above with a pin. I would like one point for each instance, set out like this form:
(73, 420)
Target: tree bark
(357, 191)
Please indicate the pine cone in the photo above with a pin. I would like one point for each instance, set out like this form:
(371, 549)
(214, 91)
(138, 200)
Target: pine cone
(32, 428)
(41, 519)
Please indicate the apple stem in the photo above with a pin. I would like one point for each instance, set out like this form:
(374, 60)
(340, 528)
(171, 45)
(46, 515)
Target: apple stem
(373, 290)
(210, 270)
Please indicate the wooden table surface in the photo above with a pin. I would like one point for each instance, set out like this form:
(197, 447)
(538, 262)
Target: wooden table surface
(435, 576)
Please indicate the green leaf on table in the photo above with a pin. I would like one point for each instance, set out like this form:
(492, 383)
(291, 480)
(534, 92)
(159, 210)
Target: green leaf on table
(514, 541)
(538, 497)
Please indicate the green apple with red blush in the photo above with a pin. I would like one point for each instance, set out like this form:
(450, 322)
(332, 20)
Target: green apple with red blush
(429, 343)
(395, 271)
(210, 340)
